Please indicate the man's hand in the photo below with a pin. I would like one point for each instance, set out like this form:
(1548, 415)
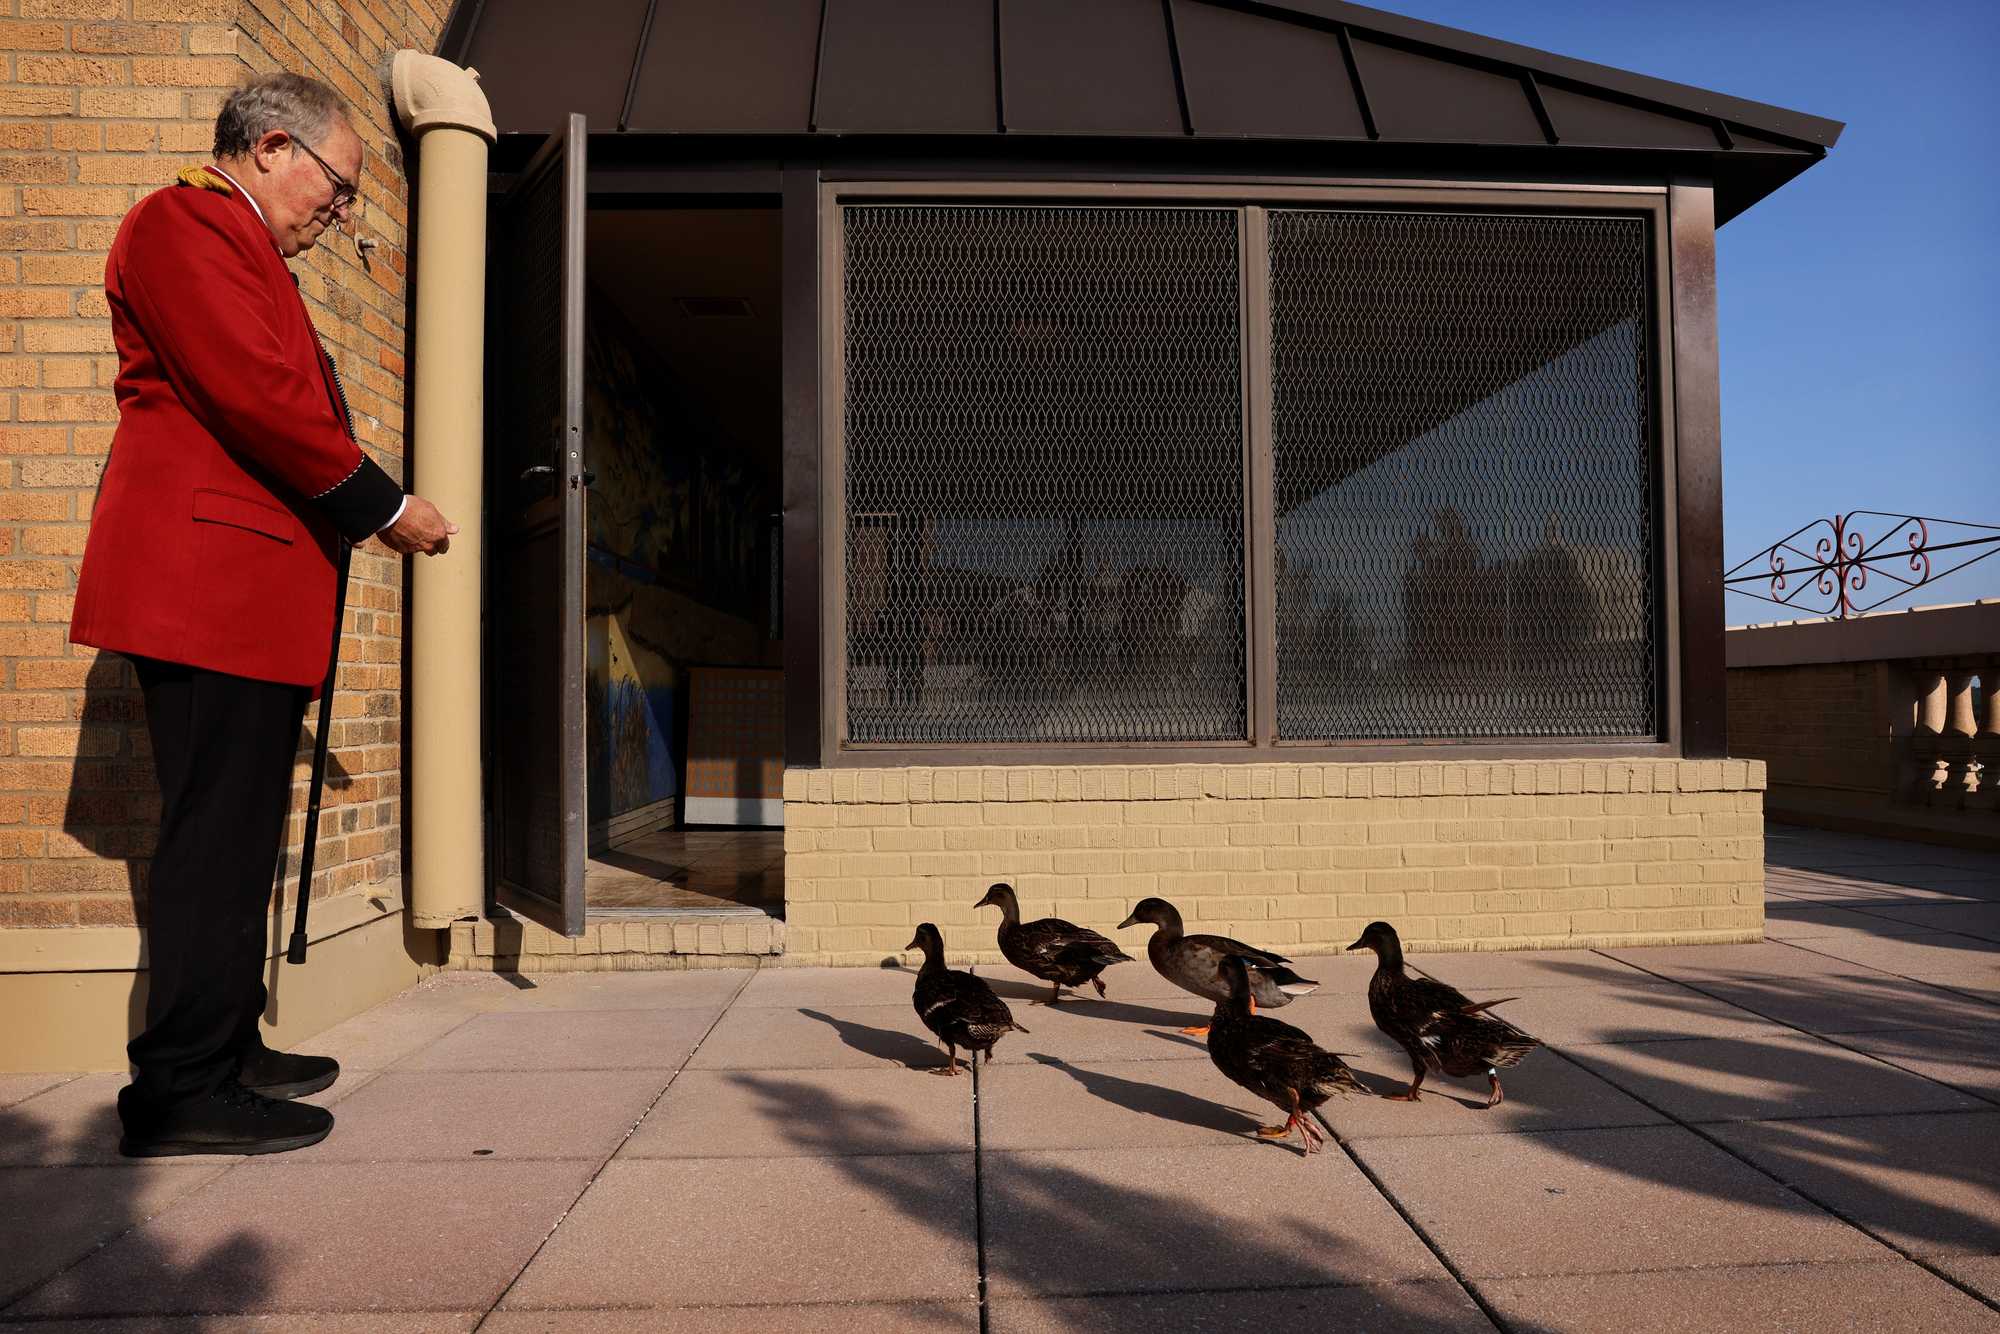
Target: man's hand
(421, 529)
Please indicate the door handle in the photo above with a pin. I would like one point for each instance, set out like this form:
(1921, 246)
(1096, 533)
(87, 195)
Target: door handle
(544, 470)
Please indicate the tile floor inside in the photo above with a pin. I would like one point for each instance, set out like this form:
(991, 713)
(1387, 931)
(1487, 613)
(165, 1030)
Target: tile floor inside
(677, 869)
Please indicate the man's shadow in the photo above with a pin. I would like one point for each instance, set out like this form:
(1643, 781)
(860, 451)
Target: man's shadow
(110, 813)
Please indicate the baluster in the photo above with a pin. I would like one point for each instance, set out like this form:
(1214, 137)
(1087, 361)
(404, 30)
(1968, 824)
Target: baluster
(1986, 742)
(1956, 776)
(1932, 701)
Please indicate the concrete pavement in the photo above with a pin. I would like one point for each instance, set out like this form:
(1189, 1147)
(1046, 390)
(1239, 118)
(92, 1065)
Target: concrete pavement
(1796, 1134)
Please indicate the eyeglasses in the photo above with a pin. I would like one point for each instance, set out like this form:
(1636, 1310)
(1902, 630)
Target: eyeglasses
(345, 192)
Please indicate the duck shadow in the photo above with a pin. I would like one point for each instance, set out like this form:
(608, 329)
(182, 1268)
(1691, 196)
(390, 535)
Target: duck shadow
(1146, 1099)
(1089, 1004)
(1384, 1086)
(1181, 1040)
(885, 1044)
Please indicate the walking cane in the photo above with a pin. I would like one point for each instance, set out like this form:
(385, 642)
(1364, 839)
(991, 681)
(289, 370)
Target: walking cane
(295, 952)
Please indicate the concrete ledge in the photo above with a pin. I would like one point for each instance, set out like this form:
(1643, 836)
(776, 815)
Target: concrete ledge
(1960, 629)
(72, 1021)
(88, 949)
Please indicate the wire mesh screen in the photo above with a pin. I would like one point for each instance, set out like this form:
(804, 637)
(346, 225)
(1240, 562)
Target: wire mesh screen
(1044, 475)
(1464, 476)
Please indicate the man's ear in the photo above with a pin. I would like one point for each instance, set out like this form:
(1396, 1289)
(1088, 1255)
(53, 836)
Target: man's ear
(268, 146)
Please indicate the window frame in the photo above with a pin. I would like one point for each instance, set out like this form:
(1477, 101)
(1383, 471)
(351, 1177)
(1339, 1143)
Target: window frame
(1253, 202)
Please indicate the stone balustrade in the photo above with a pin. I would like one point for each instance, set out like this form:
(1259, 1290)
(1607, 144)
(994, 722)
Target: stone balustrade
(1888, 722)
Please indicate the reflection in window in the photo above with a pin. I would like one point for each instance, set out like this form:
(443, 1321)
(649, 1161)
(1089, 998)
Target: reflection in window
(1043, 475)
(1464, 476)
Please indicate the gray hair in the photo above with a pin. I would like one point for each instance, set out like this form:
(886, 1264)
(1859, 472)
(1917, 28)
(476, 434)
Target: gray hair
(290, 102)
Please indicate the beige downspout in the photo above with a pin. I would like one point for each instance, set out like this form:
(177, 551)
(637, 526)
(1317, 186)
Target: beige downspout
(441, 105)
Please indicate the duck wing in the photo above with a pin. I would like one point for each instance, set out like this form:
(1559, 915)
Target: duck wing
(1059, 946)
(1249, 953)
(1271, 1054)
(1273, 985)
(966, 1012)
(1458, 1036)
(1195, 962)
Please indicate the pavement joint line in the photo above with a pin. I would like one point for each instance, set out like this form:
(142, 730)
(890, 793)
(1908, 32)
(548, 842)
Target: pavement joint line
(1881, 916)
(1801, 945)
(597, 1175)
(1409, 1221)
(146, 1319)
(1696, 1129)
(1830, 1039)
(1224, 1289)
(1720, 1267)
(978, 1198)
(22, 1102)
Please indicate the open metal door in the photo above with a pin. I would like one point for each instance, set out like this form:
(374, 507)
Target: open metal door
(536, 498)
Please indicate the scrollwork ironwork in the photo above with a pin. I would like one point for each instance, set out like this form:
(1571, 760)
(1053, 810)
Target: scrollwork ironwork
(1840, 559)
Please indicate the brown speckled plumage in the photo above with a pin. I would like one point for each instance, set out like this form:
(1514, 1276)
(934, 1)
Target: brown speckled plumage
(1061, 953)
(1442, 1031)
(1277, 1062)
(958, 1007)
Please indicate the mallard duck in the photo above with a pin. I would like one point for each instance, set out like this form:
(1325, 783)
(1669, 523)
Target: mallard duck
(1194, 963)
(960, 1008)
(1056, 951)
(1275, 1061)
(1435, 1023)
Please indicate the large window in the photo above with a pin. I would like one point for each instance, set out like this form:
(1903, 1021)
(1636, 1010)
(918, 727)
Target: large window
(1043, 475)
(1087, 466)
(1463, 475)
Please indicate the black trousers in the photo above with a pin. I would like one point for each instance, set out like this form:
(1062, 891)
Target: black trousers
(223, 748)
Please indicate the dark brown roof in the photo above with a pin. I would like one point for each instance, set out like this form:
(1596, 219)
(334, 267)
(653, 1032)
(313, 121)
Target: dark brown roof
(1311, 71)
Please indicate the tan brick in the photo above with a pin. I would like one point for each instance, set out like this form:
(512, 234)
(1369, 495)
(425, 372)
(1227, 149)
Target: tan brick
(60, 472)
(25, 304)
(70, 270)
(33, 169)
(36, 101)
(75, 203)
(212, 41)
(144, 103)
(125, 38)
(185, 71)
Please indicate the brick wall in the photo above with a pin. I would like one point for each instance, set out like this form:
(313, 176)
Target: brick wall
(102, 101)
(1461, 855)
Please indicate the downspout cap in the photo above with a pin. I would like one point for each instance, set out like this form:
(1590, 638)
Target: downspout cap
(431, 92)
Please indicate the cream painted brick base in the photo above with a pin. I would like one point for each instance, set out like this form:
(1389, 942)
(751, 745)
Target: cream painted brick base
(613, 946)
(1460, 855)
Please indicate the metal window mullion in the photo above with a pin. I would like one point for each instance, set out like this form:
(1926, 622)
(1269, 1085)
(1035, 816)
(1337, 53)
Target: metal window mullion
(834, 522)
(1260, 573)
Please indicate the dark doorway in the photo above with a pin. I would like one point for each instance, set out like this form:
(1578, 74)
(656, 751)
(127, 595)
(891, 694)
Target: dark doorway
(683, 678)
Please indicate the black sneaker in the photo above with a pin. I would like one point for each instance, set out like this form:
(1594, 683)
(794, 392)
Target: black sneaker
(231, 1120)
(281, 1074)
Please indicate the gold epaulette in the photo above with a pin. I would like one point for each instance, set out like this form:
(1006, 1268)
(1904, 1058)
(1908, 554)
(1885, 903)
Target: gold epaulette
(205, 178)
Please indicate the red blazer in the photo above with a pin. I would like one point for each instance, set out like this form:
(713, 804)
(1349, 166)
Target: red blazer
(234, 470)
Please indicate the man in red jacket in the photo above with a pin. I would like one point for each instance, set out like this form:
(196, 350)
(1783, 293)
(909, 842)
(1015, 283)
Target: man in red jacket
(232, 479)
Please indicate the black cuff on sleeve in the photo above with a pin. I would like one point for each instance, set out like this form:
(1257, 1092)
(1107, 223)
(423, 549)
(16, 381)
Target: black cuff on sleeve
(362, 502)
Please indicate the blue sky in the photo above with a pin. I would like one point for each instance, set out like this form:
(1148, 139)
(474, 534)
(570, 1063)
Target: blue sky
(1860, 304)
